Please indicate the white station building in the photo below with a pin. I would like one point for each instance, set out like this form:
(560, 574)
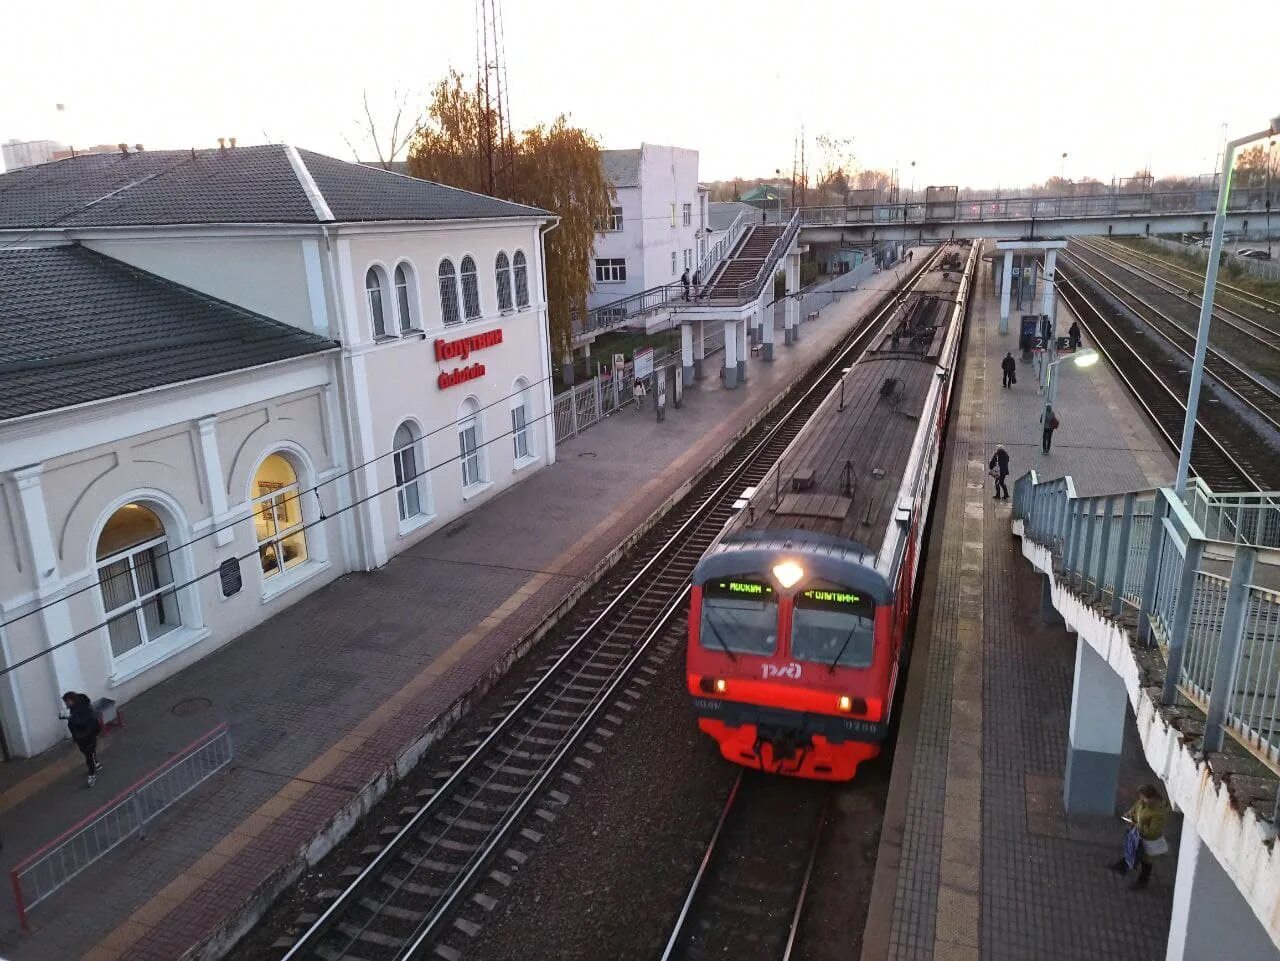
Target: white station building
(229, 376)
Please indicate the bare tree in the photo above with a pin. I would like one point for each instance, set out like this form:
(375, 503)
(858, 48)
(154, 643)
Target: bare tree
(387, 144)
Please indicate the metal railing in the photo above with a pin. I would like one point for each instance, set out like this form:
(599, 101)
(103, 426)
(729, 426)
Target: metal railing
(749, 290)
(1211, 604)
(1250, 518)
(1108, 204)
(43, 872)
(723, 247)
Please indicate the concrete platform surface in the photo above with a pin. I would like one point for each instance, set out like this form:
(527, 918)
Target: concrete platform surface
(326, 698)
(977, 859)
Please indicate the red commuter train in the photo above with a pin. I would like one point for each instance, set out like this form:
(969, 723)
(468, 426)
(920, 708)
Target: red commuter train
(800, 607)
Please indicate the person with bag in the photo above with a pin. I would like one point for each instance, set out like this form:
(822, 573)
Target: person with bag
(1050, 421)
(83, 723)
(999, 469)
(1145, 839)
(1010, 368)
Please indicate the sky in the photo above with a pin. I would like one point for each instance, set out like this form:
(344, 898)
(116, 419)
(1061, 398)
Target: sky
(992, 99)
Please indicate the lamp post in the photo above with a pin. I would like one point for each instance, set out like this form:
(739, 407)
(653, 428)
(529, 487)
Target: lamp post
(1062, 170)
(1206, 303)
(1081, 358)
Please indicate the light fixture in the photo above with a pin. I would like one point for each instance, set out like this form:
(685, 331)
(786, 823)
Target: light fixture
(721, 685)
(846, 702)
(1085, 358)
(788, 573)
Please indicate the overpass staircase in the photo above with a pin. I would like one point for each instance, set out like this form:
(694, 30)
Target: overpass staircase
(743, 264)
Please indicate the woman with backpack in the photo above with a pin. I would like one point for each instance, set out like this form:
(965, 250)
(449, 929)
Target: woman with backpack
(83, 723)
(1050, 421)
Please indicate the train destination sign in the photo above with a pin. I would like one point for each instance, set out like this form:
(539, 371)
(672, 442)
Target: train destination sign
(460, 349)
(745, 587)
(832, 597)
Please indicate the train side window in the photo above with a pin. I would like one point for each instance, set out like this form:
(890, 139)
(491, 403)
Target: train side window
(833, 625)
(739, 615)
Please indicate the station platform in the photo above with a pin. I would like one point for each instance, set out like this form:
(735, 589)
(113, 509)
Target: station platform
(977, 859)
(328, 698)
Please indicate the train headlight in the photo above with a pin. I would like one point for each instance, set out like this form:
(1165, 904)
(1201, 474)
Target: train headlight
(721, 685)
(852, 705)
(712, 685)
(788, 573)
(846, 702)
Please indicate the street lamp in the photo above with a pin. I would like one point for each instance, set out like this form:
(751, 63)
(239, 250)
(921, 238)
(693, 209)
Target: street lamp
(911, 196)
(1081, 358)
(1206, 303)
(1062, 171)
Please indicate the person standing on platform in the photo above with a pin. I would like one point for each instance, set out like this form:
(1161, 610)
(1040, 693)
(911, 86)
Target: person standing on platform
(999, 468)
(1050, 421)
(637, 391)
(1010, 368)
(1074, 335)
(684, 281)
(1145, 840)
(82, 722)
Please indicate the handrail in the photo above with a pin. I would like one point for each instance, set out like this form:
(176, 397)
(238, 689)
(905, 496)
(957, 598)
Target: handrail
(749, 290)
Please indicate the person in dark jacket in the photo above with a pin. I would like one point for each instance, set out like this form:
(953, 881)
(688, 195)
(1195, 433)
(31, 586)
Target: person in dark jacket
(1074, 335)
(684, 281)
(1000, 467)
(1010, 368)
(1050, 421)
(1145, 840)
(82, 722)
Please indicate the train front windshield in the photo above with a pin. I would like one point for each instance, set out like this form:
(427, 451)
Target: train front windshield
(740, 616)
(833, 626)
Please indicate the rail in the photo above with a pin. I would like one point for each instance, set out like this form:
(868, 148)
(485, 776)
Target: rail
(1111, 203)
(1209, 603)
(47, 869)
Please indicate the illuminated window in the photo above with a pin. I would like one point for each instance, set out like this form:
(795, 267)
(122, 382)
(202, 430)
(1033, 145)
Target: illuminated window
(502, 274)
(449, 294)
(522, 280)
(375, 292)
(521, 407)
(409, 494)
(277, 517)
(470, 289)
(406, 294)
(135, 578)
(470, 454)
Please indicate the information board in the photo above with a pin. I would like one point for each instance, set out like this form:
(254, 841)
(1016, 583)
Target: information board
(644, 363)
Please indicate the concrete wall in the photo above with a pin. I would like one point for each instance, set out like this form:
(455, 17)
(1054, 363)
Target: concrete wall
(627, 243)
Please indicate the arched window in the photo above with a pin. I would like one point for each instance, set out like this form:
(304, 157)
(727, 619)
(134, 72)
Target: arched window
(409, 494)
(448, 294)
(521, 415)
(502, 272)
(375, 292)
(522, 280)
(469, 443)
(470, 289)
(277, 508)
(406, 298)
(135, 576)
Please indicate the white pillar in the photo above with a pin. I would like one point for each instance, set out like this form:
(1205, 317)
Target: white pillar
(1006, 278)
(1098, 705)
(699, 346)
(743, 325)
(686, 353)
(55, 618)
(367, 451)
(766, 326)
(1211, 920)
(214, 483)
(791, 325)
(1046, 304)
(730, 354)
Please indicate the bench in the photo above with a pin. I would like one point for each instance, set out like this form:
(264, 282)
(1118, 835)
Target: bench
(813, 315)
(756, 349)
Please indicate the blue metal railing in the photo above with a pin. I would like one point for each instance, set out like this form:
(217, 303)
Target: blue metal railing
(1210, 603)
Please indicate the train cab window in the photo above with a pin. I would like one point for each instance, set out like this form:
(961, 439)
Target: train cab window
(832, 625)
(740, 616)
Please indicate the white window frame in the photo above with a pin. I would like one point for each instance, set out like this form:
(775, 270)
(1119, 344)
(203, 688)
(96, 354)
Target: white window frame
(686, 214)
(520, 277)
(502, 278)
(450, 306)
(139, 600)
(673, 263)
(406, 305)
(378, 312)
(611, 270)
(471, 453)
(276, 540)
(523, 438)
(612, 222)
(673, 215)
(420, 482)
(468, 314)
(688, 258)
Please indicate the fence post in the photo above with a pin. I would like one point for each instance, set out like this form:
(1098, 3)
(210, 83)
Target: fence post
(1086, 562)
(1181, 619)
(1108, 511)
(1155, 548)
(1072, 538)
(1228, 663)
(573, 411)
(19, 901)
(1122, 554)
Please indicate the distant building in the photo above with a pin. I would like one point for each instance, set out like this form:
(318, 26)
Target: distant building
(764, 197)
(658, 226)
(27, 153)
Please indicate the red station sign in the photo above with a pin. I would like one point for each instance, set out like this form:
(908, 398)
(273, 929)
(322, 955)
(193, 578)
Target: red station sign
(461, 349)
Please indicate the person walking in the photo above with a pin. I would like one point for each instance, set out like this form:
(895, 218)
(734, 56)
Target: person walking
(1074, 335)
(638, 392)
(1050, 421)
(1010, 368)
(999, 469)
(684, 281)
(1145, 840)
(83, 723)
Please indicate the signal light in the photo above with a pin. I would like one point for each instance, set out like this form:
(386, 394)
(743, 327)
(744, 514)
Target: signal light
(712, 685)
(845, 703)
(788, 573)
(852, 705)
(721, 686)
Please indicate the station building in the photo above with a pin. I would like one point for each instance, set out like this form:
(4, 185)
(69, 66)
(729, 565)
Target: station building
(228, 377)
(658, 226)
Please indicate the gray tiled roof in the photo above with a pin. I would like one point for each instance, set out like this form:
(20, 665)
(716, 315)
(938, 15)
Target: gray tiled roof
(77, 326)
(722, 214)
(621, 167)
(255, 185)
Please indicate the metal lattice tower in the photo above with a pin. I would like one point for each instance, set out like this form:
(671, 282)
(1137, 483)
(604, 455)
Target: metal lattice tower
(497, 139)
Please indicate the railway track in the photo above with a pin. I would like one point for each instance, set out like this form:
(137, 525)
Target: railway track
(748, 896)
(1150, 382)
(407, 901)
(1256, 394)
(1194, 279)
(1265, 333)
